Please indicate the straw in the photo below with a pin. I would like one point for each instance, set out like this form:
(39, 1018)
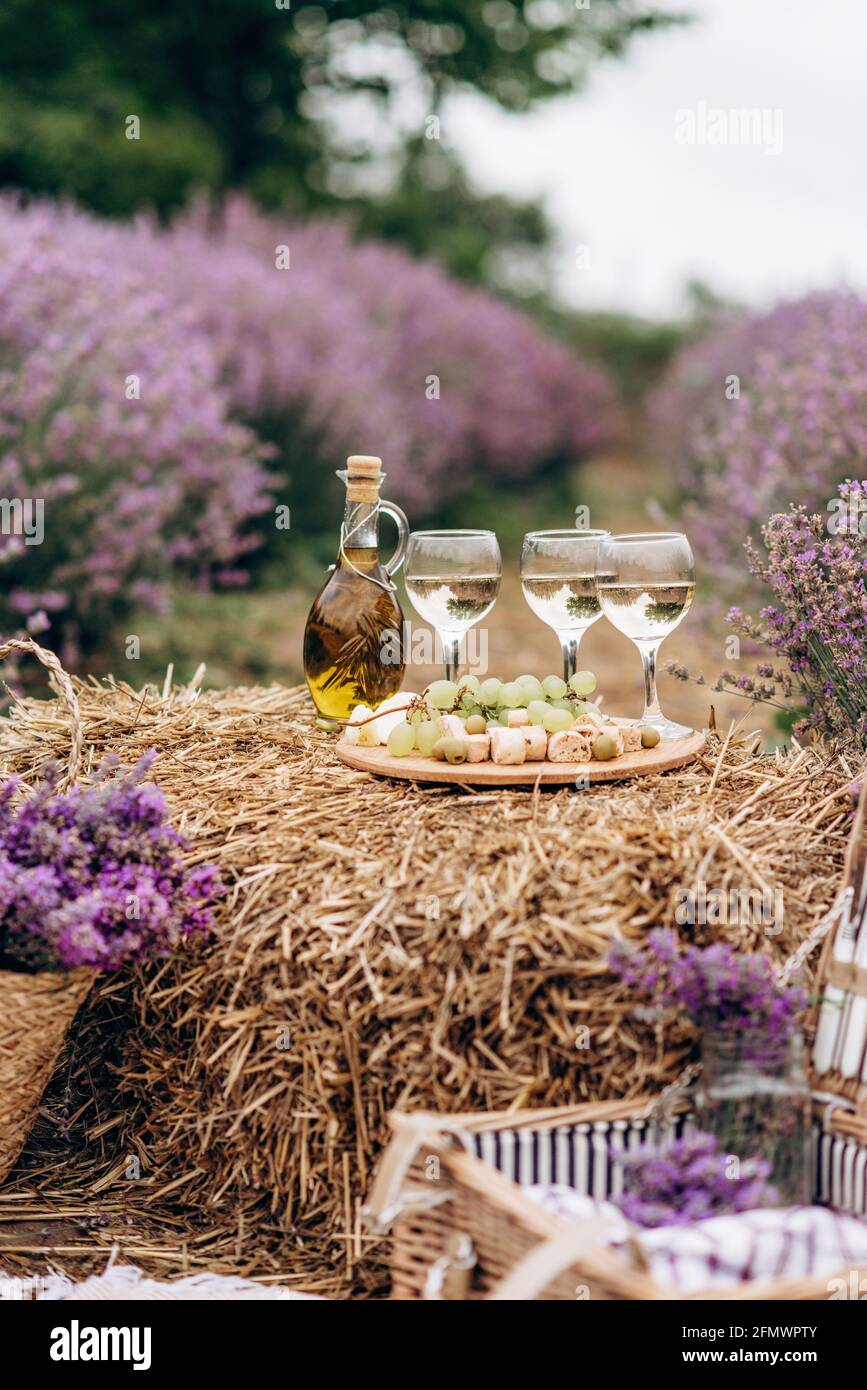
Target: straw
(381, 945)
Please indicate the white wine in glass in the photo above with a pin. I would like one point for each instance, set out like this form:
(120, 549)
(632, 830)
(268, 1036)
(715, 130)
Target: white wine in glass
(452, 580)
(646, 584)
(559, 580)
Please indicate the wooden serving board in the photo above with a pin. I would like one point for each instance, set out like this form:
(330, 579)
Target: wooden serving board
(668, 754)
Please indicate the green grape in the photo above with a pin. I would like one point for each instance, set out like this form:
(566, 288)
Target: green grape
(584, 707)
(582, 683)
(427, 735)
(470, 683)
(536, 711)
(418, 716)
(511, 695)
(442, 694)
(604, 747)
(489, 691)
(556, 720)
(454, 749)
(532, 688)
(503, 718)
(554, 687)
(401, 740)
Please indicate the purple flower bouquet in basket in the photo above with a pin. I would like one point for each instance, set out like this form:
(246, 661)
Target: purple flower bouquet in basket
(753, 1094)
(95, 877)
(90, 879)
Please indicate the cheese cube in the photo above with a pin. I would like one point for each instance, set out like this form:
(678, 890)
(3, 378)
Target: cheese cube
(615, 732)
(518, 718)
(478, 747)
(570, 746)
(451, 726)
(631, 736)
(507, 745)
(591, 716)
(536, 740)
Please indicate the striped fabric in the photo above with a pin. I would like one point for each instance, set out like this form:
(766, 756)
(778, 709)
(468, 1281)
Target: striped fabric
(779, 1243)
(840, 1167)
(577, 1156)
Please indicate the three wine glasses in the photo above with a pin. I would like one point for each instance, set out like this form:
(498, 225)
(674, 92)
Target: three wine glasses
(643, 584)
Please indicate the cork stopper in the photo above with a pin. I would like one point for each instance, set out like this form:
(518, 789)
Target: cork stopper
(363, 477)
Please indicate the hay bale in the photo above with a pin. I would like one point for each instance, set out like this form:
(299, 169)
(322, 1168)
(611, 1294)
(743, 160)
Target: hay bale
(382, 944)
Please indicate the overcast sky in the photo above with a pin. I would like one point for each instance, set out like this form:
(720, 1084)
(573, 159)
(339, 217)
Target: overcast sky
(653, 211)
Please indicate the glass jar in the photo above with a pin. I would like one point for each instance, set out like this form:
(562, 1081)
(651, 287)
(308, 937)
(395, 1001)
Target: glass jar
(758, 1105)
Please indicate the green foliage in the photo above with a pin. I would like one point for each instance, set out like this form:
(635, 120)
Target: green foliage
(302, 104)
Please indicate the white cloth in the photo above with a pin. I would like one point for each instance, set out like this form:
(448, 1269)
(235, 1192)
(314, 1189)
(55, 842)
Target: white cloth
(126, 1283)
(770, 1243)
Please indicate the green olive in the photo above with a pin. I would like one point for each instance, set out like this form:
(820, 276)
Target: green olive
(438, 751)
(649, 736)
(454, 750)
(476, 724)
(604, 747)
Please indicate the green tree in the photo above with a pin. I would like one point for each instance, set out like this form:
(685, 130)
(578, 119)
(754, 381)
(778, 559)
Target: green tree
(305, 105)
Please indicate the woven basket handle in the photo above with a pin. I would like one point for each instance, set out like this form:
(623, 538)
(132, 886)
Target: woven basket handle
(59, 681)
(550, 1258)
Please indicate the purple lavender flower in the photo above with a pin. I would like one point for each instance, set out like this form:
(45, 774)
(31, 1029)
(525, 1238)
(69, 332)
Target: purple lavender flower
(734, 994)
(690, 1180)
(96, 876)
(113, 415)
(816, 625)
(795, 430)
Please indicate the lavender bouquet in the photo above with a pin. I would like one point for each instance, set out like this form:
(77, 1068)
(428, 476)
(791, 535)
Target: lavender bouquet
(732, 994)
(753, 1094)
(95, 876)
(690, 1181)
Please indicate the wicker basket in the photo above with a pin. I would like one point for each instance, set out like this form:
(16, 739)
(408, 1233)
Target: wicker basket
(450, 1191)
(35, 1010)
(35, 1013)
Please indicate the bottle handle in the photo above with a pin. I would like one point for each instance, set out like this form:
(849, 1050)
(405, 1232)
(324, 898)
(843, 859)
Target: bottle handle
(400, 520)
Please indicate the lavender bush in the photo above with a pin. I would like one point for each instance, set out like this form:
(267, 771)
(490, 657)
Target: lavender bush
(732, 994)
(359, 346)
(135, 490)
(815, 630)
(797, 430)
(689, 1181)
(95, 876)
(352, 347)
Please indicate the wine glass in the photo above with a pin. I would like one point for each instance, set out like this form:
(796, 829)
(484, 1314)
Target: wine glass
(646, 583)
(558, 577)
(452, 579)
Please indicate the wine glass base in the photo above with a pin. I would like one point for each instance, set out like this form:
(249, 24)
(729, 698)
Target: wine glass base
(668, 728)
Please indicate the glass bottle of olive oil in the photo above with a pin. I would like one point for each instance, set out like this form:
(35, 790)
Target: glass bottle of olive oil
(353, 641)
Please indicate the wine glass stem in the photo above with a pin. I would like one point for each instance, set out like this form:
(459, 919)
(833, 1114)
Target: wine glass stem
(569, 642)
(651, 700)
(451, 644)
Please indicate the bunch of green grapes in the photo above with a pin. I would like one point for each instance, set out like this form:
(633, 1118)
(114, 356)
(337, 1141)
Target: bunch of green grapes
(551, 702)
